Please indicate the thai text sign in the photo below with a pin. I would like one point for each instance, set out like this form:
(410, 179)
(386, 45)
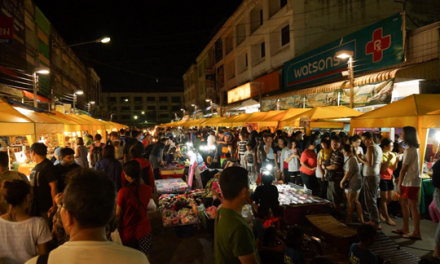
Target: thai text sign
(376, 46)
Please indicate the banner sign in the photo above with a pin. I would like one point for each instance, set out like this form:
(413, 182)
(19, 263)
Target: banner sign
(376, 46)
(363, 95)
(6, 30)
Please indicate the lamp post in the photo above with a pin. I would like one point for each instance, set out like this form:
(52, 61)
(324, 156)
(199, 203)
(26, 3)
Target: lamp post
(346, 54)
(89, 105)
(78, 92)
(101, 40)
(183, 110)
(39, 71)
(212, 109)
(195, 110)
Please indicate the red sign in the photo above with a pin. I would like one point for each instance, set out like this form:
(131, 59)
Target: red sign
(378, 45)
(6, 30)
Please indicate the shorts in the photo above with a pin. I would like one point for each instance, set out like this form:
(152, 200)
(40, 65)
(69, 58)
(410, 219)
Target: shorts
(386, 185)
(354, 185)
(144, 244)
(411, 193)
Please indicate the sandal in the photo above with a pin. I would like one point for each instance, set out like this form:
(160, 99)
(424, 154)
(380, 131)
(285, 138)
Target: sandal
(398, 231)
(408, 236)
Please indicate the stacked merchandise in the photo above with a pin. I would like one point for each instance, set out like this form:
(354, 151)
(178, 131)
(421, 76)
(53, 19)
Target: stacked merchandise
(171, 186)
(172, 170)
(178, 210)
(296, 195)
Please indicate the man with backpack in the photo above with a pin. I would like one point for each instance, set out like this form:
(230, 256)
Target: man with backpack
(96, 150)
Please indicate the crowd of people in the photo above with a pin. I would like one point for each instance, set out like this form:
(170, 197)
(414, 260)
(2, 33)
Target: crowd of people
(98, 192)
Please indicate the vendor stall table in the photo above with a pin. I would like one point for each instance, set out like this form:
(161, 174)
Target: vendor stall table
(26, 168)
(172, 174)
(171, 186)
(426, 194)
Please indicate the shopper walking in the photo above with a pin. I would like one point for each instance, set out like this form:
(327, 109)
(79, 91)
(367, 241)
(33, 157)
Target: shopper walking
(22, 237)
(131, 211)
(62, 169)
(409, 184)
(371, 171)
(81, 153)
(309, 161)
(156, 156)
(279, 162)
(110, 165)
(234, 240)
(335, 173)
(7, 175)
(96, 150)
(389, 164)
(352, 189)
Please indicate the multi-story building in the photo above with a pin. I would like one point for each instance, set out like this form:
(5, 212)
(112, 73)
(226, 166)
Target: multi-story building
(250, 49)
(142, 108)
(36, 45)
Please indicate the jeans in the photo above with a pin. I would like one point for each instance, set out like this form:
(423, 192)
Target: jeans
(371, 184)
(323, 185)
(308, 180)
(334, 192)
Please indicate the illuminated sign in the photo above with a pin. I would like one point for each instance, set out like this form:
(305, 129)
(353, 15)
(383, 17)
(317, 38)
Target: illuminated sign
(240, 93)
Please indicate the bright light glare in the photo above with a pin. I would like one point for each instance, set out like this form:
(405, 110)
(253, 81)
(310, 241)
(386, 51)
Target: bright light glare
(135, 117)
(189, 144)
(105, 40)
(208, 100)
(43, 71)
(79, 92)
(437, 136)
(143, 112)
(126, 100)
(190, 153)
(343, 56)
(269, 167)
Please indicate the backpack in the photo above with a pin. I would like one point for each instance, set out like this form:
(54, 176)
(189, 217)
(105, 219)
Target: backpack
(96, 154)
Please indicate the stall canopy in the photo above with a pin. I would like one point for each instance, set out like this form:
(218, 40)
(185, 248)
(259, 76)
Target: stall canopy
(43, 123)
(321, 113)
(421, 111)
(273, 120)
(214, 121)
(228, 121)
(242, 120)
(13, 122)
(69, 124)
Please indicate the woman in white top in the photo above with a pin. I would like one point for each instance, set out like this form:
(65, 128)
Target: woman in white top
(21, 237)
(292, 157)
(409, 184)
(355, 142)
(268, 148)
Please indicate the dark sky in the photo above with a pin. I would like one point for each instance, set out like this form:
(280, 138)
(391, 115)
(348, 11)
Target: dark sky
(150, 38)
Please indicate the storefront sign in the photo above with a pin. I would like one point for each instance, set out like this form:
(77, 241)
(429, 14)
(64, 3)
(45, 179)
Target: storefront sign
(240, 93)
(6, 30)
(265, 84)
(376, 46)
(364, 95)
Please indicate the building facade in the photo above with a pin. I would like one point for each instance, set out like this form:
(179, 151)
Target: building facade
(36, 45)
(262, 35)
(142, 109)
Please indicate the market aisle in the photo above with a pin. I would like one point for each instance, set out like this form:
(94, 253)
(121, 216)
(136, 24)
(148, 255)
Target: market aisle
(171, 249)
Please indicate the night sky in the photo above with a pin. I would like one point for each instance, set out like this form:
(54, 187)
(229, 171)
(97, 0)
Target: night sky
(150, 38)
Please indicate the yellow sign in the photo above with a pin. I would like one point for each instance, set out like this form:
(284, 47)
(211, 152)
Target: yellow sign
(239, 93)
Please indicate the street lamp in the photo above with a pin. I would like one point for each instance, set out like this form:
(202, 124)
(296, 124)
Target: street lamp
(89, 105)
(347, 54)
(195, 110)
(143, 112)
(212, 109)
(100, 40)
(78, 92)
(135, 117)
(42, 71)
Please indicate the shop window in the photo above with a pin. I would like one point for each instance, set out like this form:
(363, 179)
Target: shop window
(175, 99)
(138, 107)
(151, 107)
(261, 17)
(138, 99)
(151, 99)
(285, 35)
(163, 99)
(263, 50)
(163, 107)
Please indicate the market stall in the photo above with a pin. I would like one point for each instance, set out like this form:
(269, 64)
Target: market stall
(243, 119)
(214, 121)
(92, 127)
(228, 121)
(279, 116)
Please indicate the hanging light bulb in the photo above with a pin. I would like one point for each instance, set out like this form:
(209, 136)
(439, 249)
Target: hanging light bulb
(157, 79)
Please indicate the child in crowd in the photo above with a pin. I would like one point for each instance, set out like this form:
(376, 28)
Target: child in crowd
(241, 149)
(325, 154)
(249, 159)
(264, 213)
(293, 254)
(228, 158)
(360, 253)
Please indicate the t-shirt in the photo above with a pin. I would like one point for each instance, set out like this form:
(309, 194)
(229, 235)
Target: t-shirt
(412, 160)
(60, 172)
(43, 174)
(258, 230)
(242, 147)
(113, 168)
(211, 140)
(250, 157)
(308, 157)
(94, 252)
(233, 237)
(278, 150)
(19, 240)
(135, 221)
(318, 173)
(293, 164)
(325, 155)
(357, 255)
(266, 194)
(9, 176)
(352, 166)
(337, 158)
(130, 144)
(253, 138)
(270, 154)
(293, 256)
(388, 174)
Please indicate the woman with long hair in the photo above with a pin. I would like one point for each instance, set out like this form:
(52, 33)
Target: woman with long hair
(389, 164)
(309, 162)
(131, 211)
(409, 184)
(110, 165)
(81, 153)
(22, 237)
(354, 178)
(268, 149)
